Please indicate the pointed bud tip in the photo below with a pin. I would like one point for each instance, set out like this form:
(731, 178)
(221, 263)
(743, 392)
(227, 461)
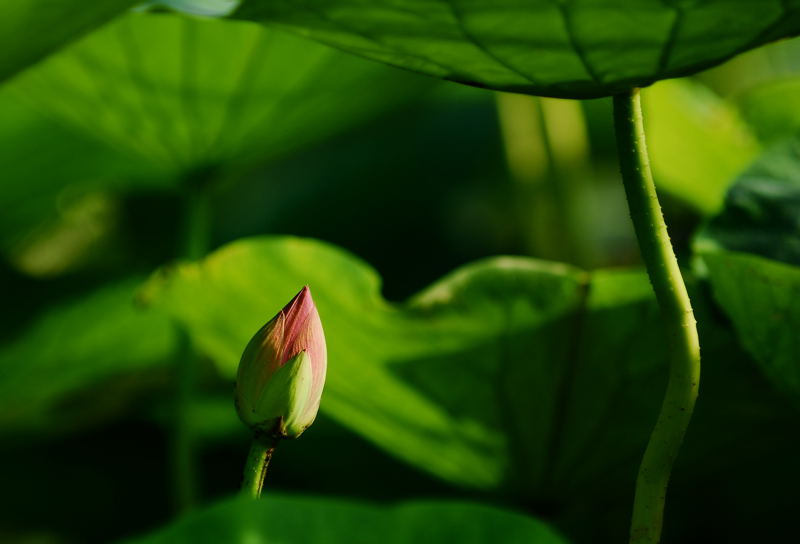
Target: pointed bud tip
(301, 300)
(263, 396)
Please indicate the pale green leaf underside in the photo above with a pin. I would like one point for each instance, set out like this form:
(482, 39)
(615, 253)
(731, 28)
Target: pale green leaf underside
(507, 366)
(191, 93)
(563, 48)
(31, 29)
(305, 520)
(47, 167)
(696, 141)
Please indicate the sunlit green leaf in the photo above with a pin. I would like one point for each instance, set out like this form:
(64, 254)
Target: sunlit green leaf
(196, 93)
(696, 141)
(508, 372)
(31, 29)
(100, 338)
(300, 520)
(570, 49)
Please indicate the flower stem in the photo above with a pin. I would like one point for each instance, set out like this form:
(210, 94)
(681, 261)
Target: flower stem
(195, 244)
(678, 320)
(184, 468)
(255, 468)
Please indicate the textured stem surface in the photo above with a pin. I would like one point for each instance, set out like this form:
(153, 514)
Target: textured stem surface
(255, 469)
(677, 316)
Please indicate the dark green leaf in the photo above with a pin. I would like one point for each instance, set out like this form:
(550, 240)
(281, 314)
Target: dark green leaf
(31, 29)
(94, 340)
(760, 297)
(509, 372)
(193, 93)
(572, 49)
(298, 520)
(760, 225)
(762, 209)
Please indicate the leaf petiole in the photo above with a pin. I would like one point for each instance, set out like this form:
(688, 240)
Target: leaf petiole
(255, 468)
(678, 317)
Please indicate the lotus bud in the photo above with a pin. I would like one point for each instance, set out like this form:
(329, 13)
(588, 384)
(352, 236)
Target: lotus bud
(282, 371)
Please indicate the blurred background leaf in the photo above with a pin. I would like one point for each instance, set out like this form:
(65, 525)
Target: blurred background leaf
(192, 94)
(320, 521)
(97, 339)
(31, 29)
(199, 99)
(760, 215)
(752, 252)
(759, 296)
(772, 109)
(696, 141)
(569, 50)
(765, 98)
(55, 181)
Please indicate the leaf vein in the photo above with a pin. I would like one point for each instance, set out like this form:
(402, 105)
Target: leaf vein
(575, 43)
(764, 35)
(459, 20)
(384, 47)
(672, 37)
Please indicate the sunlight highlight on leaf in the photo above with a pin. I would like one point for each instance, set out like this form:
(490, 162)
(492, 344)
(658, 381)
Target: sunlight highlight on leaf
(191, 93)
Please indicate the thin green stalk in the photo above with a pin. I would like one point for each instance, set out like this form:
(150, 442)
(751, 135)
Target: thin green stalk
(545, 147)
(677, 315)
(197, 220)
(255, 468)
(528, 163)
(196, 231)
(564, 125)
(563, 183)
(183, 461)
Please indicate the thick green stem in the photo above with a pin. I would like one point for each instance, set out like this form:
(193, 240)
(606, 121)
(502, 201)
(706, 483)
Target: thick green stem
(678, 320)
(255, 468)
